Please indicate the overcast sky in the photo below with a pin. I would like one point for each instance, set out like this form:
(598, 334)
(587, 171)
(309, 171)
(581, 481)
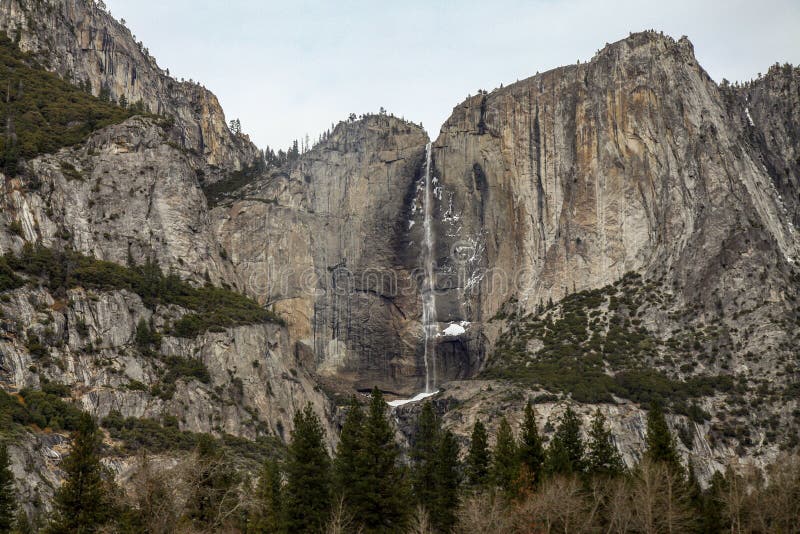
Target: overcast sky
(291, 68)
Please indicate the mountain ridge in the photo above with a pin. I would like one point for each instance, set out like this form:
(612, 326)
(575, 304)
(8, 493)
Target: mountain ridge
(563, 182)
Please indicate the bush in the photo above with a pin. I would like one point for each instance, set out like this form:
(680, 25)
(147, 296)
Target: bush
(146, 337)
(35, 346)
(178, 367)
(39, 408)
(217, 191)
(154, 436)
(15, 227)
(576, 352)
(57, 389)
(70, 172)
(8, 278)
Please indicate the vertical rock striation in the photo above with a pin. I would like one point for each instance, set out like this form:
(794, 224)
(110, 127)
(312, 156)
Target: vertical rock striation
(629, 162)
(334, 254)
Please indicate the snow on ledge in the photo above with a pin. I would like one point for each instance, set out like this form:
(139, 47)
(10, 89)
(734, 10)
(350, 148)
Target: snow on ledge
(416, 398)
(455, 329)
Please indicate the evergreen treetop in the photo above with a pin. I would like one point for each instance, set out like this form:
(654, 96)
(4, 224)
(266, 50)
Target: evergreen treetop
(566, 452)
(349, 465)
(505, 461)
(308, 477)
(660, 442)
(478, 457)
(531, 449)
(382, 501)
(268, 516)
(81, 504)
(446, 482)
(602, 457)
(423, 455)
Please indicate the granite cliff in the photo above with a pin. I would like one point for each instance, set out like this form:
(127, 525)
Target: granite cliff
(606, 233)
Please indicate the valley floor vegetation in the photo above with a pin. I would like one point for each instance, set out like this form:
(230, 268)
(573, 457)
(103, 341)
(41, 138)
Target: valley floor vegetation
(572, 485)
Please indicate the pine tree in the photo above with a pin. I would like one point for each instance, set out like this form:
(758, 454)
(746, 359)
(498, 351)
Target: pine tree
(531, 450)
(602, 458)
(268, 513)
(308, 475)
(661, 446)
(8, 501)
(446, 482)
(384, 506)
(81, 504)
(423, 455)
(505, 461)
(478, 458)
(348, 466)
(711, 506)
(565, 454)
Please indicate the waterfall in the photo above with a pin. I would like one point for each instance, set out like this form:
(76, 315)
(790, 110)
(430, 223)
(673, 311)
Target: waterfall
(427, 257)
(429, 283)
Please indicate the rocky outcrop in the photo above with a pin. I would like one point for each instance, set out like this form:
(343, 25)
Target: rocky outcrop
(84, 44)
(335, 254)
(462, 403)
(629, 162)
(634, 161)
(127, 193)
(768, 112)
(255, 383)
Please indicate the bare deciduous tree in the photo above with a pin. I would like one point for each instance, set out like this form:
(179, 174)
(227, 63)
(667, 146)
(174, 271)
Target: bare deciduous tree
(776, 507)
(341, 521)
(659, 500)
(484, 512)
(559, 506)
(618, 508)
(420, 522)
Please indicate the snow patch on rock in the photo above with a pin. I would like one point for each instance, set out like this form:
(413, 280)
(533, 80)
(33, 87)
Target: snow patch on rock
(416, 398)
(455, 329)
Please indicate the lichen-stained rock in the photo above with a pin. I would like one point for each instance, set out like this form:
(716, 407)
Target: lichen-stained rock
(83, 43)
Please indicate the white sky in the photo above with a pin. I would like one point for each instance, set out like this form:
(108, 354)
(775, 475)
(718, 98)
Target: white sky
(291, 68)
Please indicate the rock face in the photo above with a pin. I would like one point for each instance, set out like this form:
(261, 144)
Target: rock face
(132, 192)
(84, 44)
(255, 383)
(334, 253)
(634, 161)
(768, 111)
(135, 196)
(571, 178)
